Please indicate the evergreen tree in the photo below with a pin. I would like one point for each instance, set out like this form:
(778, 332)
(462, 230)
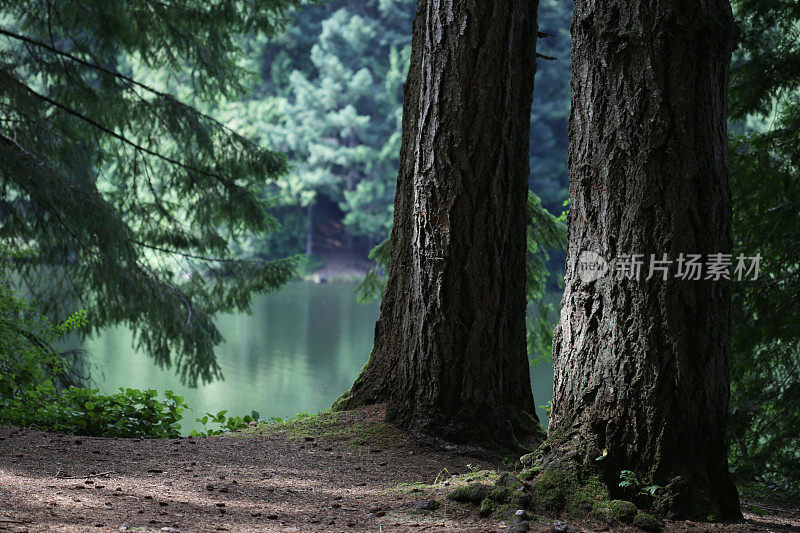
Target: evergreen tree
(294, 70)
(449, 356)
(339, 123)
(765, 102)
(642, 362)
(129, 198)
(549, 140)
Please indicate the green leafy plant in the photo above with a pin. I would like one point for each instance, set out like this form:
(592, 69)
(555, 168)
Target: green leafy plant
(82, 411)
(31, 380)
(628, 480)
(226, 423)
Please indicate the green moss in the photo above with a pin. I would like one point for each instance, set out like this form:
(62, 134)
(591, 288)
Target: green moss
(379, 434)
(529, 473)
(477, 492)
(529, 459)
(472, 493)
(343, 402)
(504, 512)
(509, 481)
(486, 507)
(332, 427)
(508, 495)
(582, 500)
(623, 511)
(551, 490)
(614, 511)
(602, 511)
(647, 522)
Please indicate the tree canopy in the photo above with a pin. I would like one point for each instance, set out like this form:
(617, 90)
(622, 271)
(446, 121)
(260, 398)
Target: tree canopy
(765, 157)
(129, 198)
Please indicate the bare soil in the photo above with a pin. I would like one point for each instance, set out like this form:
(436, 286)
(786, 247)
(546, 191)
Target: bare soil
(347, 472)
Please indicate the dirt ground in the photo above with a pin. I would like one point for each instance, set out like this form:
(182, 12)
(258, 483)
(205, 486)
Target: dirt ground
(357, 474)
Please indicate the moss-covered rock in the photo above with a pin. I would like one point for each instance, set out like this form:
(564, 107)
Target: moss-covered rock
(514, 496)
(623, 511)
(504, 511)
(477, 492)
(472, 493)
(509, 481)
(584, 497)
(529, 459)
(647, 522)
(528, 474)
(551, 490)
(614, 511)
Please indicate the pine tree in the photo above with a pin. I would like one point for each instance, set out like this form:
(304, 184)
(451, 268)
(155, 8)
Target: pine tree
(292, 73)
(129, 198)
(449, 356)
(765, 157)
(341, 109)
(339, 124)
(549, 140)
(642, 363)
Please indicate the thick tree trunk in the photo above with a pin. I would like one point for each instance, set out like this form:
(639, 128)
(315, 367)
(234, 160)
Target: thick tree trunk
(641, 367)
(450, 355)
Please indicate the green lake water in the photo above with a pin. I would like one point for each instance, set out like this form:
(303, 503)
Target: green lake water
(297, 352)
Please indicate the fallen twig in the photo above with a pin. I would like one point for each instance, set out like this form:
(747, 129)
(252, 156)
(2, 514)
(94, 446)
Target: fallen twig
(86, 476)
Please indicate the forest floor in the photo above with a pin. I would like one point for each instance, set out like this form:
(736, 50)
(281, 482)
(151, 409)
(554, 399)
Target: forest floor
(341, 472)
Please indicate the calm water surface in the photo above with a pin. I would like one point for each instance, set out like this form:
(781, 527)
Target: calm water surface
(298, 351)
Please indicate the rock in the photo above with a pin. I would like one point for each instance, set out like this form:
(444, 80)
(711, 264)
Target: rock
(615, 511)
(509, 481)
(519, 527)
(562, 527)
(472, 493)
(520, 515)
(647, 522)
(427, 505)
(623, 511)
(528, 460)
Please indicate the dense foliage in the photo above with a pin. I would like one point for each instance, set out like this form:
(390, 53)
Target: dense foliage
(35, 389)
(29, 367)
(334, 80)
(132, 198)
(765, 388)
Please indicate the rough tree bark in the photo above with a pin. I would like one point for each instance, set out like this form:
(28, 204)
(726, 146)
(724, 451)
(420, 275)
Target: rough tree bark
(450, 356)
(641, 368)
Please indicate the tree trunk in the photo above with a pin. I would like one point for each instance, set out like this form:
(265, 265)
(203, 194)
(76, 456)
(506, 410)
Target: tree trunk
(642, 367)
(450, 356)
(310, 230)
